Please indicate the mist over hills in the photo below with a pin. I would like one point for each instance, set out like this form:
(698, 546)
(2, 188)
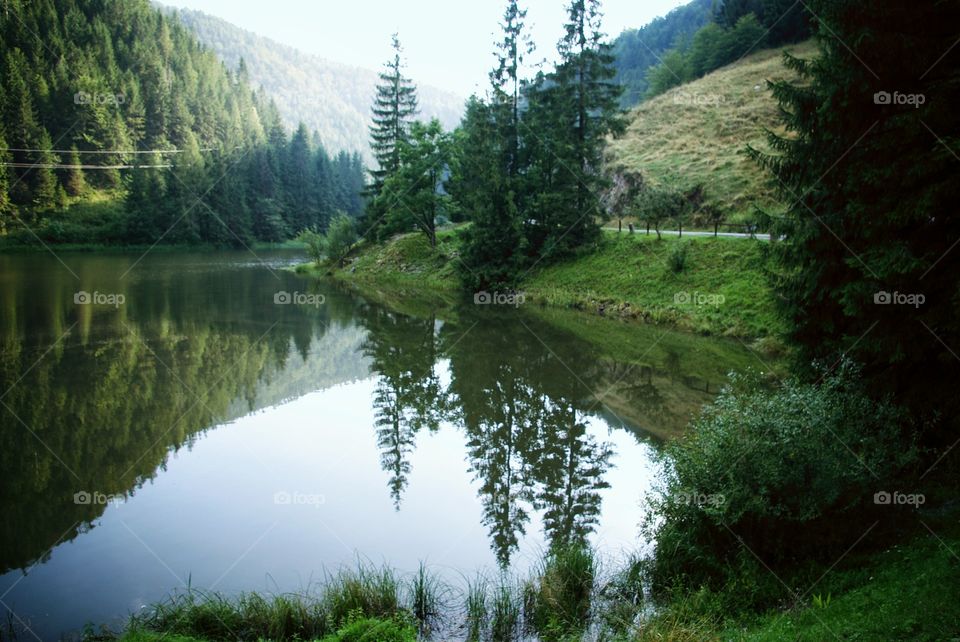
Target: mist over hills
(330, 97)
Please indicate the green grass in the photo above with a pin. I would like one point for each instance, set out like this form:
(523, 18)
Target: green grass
(900, 583)
(722, 289)
(696, 133)
(907, 592)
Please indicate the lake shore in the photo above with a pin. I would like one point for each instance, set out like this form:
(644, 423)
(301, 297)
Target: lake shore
(720, 290)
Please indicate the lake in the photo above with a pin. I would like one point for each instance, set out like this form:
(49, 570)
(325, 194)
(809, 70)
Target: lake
(215, 420)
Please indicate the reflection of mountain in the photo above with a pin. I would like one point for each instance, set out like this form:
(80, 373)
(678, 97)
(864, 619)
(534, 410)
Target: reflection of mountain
(95, 397)
(100, 408)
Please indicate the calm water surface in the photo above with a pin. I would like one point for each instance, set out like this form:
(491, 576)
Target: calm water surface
(213, 419)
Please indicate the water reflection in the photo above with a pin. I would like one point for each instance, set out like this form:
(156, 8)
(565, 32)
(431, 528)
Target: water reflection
(96, 398)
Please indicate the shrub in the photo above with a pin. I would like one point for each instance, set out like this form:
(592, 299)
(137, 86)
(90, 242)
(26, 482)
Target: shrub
(677, 260)
(559, 599)
(782, 475)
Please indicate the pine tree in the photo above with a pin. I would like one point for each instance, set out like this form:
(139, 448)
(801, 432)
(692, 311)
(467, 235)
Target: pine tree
(580, 91)
(394, 107)
(74, 182)
(872, 191)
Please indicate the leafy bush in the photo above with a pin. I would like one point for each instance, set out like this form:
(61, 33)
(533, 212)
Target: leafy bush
(369, 629)
(782, 475)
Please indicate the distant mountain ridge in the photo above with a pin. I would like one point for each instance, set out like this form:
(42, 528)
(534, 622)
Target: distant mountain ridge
(330, 97)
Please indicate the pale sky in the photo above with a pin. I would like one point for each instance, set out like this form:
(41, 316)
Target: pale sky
(448, 43)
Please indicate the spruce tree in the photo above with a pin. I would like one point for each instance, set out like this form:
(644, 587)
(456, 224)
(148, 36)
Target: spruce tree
(869, 172)
(74, 182)
(580, 92)
(394, 108)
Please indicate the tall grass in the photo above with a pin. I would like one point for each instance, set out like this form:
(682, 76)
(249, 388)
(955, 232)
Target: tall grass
(559, 597)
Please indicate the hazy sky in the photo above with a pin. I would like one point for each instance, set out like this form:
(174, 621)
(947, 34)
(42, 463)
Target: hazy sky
(448, 43)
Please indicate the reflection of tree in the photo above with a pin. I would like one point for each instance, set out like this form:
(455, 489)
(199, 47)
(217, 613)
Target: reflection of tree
(408, 396)
(570, 472)
(527, 442)
(114, 396)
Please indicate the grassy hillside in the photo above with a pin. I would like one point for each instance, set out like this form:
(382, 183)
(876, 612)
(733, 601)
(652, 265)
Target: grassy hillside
(696, 133)
(721, 289)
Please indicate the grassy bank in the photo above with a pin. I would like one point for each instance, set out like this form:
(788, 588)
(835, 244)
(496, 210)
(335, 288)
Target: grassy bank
(902, 592)
(719, 289)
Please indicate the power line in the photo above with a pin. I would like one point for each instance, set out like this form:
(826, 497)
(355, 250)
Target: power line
(57, 166)
(107, 151)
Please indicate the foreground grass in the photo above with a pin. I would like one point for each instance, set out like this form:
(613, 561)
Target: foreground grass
(904, 590)
(721, 290)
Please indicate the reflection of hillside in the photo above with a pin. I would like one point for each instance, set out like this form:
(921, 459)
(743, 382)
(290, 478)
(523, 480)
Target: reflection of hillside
(95, 399)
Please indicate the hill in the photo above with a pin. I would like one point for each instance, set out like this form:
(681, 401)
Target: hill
(331, 98)
(119, 127)
(696, 133)
(637, 50)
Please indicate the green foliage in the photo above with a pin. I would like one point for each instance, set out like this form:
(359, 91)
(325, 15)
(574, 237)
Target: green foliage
(331, 98)
(382, 630)
(121, 76)
(316, 244)
(677, 259)
(558, 601)
(340, 238)
(718, 44)
(637, 50)
(785, 474)
(394, 108)
(657, 205)
(858, 232)
(412, 195)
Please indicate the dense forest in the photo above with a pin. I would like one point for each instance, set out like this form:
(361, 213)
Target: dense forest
(331, 98)
(638, 50)
(115, 107)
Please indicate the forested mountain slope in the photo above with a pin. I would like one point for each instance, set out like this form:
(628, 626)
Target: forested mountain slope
(332, 98)
(119, 126)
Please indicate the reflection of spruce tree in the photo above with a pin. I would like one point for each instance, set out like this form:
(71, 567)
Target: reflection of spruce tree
(408, 396)
(570, 469)
(500, 446)
(494, 377)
